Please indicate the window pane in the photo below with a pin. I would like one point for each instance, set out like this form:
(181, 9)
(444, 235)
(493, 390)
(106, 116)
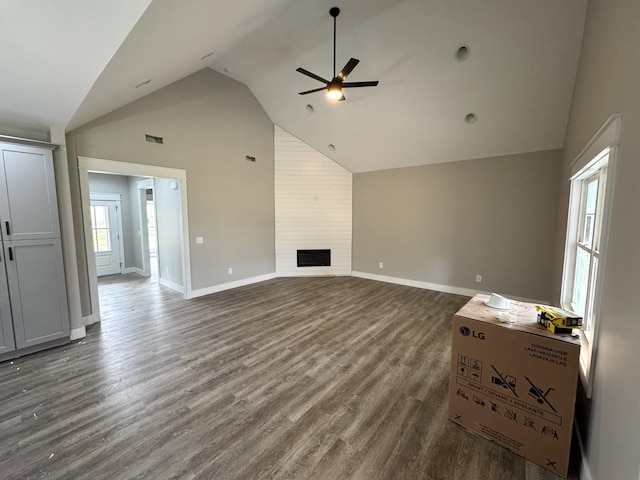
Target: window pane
(581, 281)
(101, 216)
(588, 318)
(592, 195)
(104, 245)
(151, 214)
(589, 219)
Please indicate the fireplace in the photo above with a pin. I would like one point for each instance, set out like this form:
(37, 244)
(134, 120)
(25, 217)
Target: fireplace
(314, 258)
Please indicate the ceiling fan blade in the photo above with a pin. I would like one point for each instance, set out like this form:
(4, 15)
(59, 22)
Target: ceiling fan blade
(312, 75)
(360, 84)
(312, 91)
(348, 68)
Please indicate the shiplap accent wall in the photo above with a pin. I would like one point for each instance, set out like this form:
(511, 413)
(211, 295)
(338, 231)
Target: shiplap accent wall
(313, 198)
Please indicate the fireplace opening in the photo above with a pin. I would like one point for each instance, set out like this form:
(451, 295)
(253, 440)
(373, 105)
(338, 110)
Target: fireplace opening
(314, 258)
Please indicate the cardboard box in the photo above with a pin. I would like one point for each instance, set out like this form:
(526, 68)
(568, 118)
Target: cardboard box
(514, 384)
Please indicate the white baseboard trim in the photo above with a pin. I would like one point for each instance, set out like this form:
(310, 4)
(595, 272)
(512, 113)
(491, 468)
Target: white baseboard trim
(316, 275)
(171, 285)
(416, 283)
(137, 270)
(140, 272)
(436, 286)
(228, 286)
(585, 472)
(77, 333)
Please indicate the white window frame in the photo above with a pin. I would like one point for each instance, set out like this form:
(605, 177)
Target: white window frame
(598, 158)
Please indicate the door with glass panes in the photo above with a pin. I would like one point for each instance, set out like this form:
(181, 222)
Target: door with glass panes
(106, 236)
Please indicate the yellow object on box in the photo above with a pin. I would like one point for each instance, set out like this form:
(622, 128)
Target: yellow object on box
(559, 317)
(552, 327)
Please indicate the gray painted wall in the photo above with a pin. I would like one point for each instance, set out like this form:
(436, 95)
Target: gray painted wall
(169, 227)
(103, 183)
(608, 82)
(445, 223)
(209, 123)
(135, 220)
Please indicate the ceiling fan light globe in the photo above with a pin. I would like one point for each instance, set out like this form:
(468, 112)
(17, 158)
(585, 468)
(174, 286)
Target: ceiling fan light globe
(334, 93)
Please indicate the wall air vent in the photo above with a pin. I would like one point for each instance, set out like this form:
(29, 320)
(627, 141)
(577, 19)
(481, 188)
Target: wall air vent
(152, 139)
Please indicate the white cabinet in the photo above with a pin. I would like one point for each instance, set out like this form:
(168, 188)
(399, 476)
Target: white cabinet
(28, 204)
(36, 289)
(7, 343)
(33, 297)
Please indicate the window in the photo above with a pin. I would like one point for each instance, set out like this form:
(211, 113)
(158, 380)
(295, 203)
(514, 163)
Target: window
(100, 228)
(591, 191)
(587, 232)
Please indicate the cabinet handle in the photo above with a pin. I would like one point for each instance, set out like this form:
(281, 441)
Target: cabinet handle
(11, 253)
(8, 228)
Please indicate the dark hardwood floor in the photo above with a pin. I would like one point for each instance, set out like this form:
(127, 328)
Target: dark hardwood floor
(296, 378)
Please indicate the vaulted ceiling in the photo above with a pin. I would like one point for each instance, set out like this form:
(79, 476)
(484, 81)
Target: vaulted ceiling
(68, 62)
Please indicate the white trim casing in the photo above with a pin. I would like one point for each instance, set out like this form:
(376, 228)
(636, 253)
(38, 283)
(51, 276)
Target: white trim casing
(605, 141)
(436, 286)
(101, 165)
(87, 164)
(608, 135)
(85, 199)
(77, 333)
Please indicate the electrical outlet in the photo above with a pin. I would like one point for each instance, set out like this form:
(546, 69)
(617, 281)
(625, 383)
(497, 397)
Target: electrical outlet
(478, 278)
(381, 265)
(166, 270)
(230, 271)
(199, 240)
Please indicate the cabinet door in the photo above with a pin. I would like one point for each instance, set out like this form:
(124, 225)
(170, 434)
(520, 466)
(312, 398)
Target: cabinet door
(7, 343)
(28, 203)
(35, 274)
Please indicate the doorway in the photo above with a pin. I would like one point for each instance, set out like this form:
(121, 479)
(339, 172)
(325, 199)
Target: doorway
(152, 231)
(106, 232)
(148, 229)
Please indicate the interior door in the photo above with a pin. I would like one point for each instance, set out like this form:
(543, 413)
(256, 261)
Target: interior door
(106, 236)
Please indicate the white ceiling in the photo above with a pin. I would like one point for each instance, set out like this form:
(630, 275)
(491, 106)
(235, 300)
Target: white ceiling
(518, 79)
(52, 52)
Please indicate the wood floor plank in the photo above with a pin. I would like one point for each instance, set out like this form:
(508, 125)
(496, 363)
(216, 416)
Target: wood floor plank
(294, 378)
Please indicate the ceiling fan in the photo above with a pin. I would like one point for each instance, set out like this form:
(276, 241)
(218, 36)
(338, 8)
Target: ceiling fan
(335, 86)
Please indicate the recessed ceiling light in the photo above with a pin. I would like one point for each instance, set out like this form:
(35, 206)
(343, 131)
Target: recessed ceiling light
(471, 118)
(462, 53)
(143, 83)
(332, 147)
(207, 55)
(310, 108)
